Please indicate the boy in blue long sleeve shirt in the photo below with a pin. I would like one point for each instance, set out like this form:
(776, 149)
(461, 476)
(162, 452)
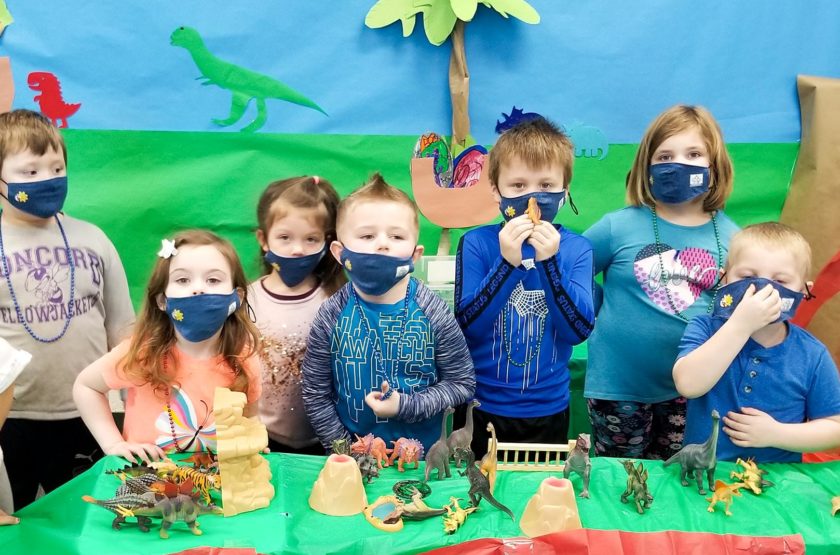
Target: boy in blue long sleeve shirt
(523, 291)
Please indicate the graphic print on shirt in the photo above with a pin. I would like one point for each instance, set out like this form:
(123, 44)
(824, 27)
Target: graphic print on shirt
(686, 274)
(407, 355)
(183, 428)
(517, 337)
(41, 280)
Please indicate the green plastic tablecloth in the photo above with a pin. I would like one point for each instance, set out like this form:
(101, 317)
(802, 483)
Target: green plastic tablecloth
(62, 523)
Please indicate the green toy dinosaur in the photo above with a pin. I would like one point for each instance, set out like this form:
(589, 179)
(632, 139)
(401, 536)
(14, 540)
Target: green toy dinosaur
(244, 84)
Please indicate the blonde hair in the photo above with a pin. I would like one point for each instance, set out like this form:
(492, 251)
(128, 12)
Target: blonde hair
(376, 190)
(672, 121)
(538, 143)
(24, 129)
(154, 334)
(774, 235)
(311, 193)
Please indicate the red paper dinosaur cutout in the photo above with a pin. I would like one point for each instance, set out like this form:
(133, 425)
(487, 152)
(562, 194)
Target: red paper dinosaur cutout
(50, 100)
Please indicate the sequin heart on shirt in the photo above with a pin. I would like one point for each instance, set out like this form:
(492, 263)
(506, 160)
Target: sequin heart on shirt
(687, 273)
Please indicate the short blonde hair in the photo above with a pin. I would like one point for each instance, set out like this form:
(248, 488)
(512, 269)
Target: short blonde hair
(775, 235)
(538, 143)
(24, 129)
(672, 121)
(376, 190)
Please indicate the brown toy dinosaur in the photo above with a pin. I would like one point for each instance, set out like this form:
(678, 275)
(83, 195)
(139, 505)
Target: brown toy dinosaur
(489, 461)
(374, 446)
(171, 510)
(578, 461)
(406, 451)
(723, 493)
(437, 458)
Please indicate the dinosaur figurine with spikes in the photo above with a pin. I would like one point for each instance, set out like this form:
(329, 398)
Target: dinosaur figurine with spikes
(245, 85)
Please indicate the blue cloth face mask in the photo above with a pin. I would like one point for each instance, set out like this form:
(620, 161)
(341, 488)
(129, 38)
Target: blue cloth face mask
(294, 269)
(549, 203)
(730, 295)
(39, 198)
(673, 183)
(375, 274)
(198, 317)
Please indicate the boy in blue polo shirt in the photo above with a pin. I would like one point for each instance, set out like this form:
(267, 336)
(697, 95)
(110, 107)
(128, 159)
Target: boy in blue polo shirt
(774, 383)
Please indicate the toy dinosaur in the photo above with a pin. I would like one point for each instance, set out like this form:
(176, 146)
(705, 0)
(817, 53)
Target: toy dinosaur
(341, 446)
(751, 477)
(374, 446)
(455, 516)
(578, 461)
(367, 466)
(406, 451)
(489, 461)
(50, 100)
(139, 484)
(438, 456)
(637, 486)
(405, 489)
(245, 85)
(418, 510)
(119, 503)
(131, 470)
(462, 437)
(170, 510)
(171, 489)
(479, 485)
(202, 460)
(723, 492)
(697, 457)
(202, 481)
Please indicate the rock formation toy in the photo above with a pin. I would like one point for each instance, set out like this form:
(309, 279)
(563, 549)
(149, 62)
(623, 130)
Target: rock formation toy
(578, 461)
(170, 510)
(835, 505)
(374, 446)
(697, 457)
(455, 516)
(637, 486)
(552, 509)
(461, 439)
(438, 456)
(490, 461)
(406, 451)
(751, 477)
(723, 492)
(339, 490)
(479, 485)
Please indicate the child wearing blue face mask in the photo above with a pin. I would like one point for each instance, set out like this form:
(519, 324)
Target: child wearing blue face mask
(296, 219)
(523, 291)
(63, 298)
(193, 335)
(383, 326)
(775, 384)
(660, 258)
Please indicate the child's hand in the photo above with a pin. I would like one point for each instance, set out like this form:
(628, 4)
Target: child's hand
(511, 237)
(388, 408)
(750, 428)
(6, 519)
(758, 308)
(146, 452)
(546, 241)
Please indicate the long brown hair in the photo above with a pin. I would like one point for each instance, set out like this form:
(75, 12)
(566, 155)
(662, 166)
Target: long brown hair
(154, 334)
(309, 192)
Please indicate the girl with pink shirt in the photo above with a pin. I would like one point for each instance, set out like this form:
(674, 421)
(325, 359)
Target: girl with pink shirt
(192, 336)
(296, 219)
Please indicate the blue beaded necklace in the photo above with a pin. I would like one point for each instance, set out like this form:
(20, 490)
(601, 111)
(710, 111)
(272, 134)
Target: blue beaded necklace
(18, 311)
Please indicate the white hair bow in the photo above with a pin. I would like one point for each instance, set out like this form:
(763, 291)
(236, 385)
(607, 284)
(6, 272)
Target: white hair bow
(167, 248)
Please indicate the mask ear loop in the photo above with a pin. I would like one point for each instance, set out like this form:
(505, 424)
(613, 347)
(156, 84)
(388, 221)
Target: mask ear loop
(250, 310)
(721, 275)
(808, 294)
(572, 204)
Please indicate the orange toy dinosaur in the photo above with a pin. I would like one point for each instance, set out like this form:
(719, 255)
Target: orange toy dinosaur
(406, 451)
(723, 493)
(370, 445)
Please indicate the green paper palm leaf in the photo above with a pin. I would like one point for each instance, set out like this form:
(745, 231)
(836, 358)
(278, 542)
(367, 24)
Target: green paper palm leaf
(520, 9)
(385, 12)
(464, 9)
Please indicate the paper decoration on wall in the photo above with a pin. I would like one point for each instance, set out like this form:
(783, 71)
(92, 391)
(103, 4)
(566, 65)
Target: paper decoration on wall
(463, 171)
(450, 207)
(589, 141)
(7, 85)
(515, 117)
(50, 99)
(245, 85)
(6, 18)
(442, 19)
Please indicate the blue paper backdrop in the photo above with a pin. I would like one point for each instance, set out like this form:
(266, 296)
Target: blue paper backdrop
(611, 64)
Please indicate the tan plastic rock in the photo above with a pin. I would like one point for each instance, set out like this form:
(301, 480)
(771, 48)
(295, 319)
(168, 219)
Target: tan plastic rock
(245, 474)
(552, 509)
(339, 491)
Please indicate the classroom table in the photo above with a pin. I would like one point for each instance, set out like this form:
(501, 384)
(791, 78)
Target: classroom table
(799, 503)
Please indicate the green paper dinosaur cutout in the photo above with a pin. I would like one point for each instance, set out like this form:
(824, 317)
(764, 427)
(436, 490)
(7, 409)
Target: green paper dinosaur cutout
(244, 84)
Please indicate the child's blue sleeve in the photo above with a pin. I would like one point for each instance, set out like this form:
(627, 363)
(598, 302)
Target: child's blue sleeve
(317, 387)
(823, 399)
(600, 236)
(455, 373)
(697, 332)
(482, 285)
(569, 294)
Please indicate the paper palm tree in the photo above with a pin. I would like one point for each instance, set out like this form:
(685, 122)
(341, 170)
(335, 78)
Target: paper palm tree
(442, 19)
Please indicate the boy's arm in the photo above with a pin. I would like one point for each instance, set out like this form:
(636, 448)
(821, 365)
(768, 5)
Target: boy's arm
(569, 295)
(703, 359)
(456, 375)
(119, 312)
(317, 386)
(481, 293)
